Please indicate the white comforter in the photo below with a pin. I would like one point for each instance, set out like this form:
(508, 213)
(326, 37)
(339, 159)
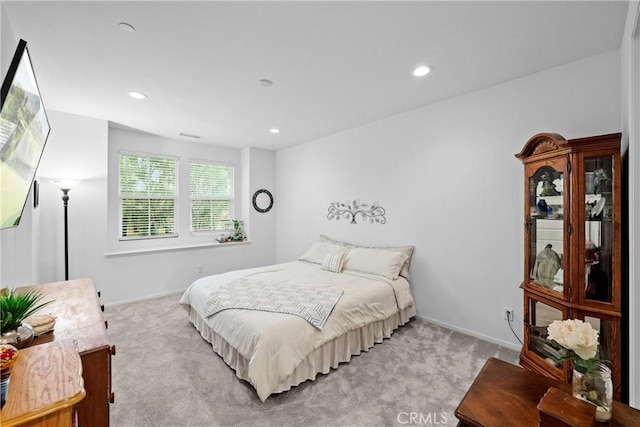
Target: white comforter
(274, 344)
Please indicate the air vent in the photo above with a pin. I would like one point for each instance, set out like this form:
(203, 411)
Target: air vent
(190, 135)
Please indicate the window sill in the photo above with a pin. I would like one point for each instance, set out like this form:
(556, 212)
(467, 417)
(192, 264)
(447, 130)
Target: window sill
(137, 251)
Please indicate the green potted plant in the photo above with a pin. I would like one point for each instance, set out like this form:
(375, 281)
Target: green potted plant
(14, 308)
(238, 231)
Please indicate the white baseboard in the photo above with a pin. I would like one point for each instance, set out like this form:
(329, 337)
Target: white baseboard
(147, 297)
(512, 346)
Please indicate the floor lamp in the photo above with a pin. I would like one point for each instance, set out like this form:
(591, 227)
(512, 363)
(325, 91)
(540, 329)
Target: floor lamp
(65, 185)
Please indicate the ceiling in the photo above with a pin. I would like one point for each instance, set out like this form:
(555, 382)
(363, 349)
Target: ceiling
(335, 65)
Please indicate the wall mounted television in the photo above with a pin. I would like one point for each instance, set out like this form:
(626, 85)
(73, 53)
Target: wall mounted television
(24, 129)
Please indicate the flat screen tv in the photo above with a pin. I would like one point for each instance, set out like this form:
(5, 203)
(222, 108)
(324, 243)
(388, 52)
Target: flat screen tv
(24, 129)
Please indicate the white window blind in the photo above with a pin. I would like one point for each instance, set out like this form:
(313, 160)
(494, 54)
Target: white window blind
(147, 188)
(211, 188)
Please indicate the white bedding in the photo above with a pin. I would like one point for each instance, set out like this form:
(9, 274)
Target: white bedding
(274, 344)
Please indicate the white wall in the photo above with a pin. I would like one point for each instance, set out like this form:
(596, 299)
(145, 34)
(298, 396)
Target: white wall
(259, 172)
(8, 41)
(631, 149)
(447, 176)
(78, 147)
(18, 256)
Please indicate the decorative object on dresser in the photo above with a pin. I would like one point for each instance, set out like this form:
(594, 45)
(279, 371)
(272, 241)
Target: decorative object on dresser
(582, 224)
(353, 209)
(46, 387)
(15, 307)
(560, 409)
(41, 323)
(65, 185)
(79, 316)
(8, 356)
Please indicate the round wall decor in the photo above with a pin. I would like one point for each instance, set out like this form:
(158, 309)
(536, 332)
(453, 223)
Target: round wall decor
(262, 201)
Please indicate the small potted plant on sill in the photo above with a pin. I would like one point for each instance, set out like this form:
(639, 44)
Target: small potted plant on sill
(238, 233)
(14, 308)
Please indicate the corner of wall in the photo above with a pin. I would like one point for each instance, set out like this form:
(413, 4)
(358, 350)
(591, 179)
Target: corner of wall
(630, 87)
(258, 171)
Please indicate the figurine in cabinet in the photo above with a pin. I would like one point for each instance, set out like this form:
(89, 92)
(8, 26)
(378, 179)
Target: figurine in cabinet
(547, 264)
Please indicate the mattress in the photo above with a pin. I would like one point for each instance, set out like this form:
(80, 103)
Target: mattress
(274, 351)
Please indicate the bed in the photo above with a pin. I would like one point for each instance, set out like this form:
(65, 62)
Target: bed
(275, 351)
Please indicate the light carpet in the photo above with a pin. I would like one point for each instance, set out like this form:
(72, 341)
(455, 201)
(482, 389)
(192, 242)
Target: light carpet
(166, 374)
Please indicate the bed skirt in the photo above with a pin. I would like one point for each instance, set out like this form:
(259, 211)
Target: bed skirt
(321, 360)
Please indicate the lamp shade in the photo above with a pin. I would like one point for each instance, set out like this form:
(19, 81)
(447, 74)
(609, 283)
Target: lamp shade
(65, 184)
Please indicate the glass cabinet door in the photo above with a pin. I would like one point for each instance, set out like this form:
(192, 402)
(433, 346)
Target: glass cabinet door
(598, 228)
(546, 228)
(606, 332)
(540, 316)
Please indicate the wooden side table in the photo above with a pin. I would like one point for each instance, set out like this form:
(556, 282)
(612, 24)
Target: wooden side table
(46, 385)
(507, 395)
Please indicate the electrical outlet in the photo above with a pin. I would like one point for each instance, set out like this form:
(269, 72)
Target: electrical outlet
(508, 313)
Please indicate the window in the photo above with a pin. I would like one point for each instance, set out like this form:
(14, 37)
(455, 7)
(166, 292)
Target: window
(147, 188)
(211, 188)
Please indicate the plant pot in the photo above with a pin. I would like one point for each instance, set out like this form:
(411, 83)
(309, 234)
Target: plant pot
(19, 338)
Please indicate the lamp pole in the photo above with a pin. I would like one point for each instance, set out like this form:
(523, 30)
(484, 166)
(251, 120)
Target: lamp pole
(65, 185)
(65, 201)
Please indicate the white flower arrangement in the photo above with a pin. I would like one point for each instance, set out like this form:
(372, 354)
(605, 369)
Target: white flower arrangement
(578, 338)
(580, 341)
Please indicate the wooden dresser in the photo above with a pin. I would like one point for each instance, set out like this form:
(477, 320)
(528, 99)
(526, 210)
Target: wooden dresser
(45, 387)
(507, 395)
(79, 317)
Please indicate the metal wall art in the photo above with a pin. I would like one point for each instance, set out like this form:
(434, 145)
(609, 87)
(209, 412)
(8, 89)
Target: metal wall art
(353, 209)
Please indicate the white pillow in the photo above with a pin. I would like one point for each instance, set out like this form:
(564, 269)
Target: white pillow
(380, 262)
(408, 250)
(334, 262)
(319, 251)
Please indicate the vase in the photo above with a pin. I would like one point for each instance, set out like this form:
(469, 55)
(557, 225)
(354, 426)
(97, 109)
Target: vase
(5, 376)
(20, 338)
(595, 386)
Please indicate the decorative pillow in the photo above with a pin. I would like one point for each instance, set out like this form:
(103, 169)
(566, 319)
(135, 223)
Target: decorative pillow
(334, 262)
(319, 251)
(407, 250)
(380, 262)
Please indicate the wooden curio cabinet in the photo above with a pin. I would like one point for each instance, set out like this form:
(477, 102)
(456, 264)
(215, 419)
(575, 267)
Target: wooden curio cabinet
(572, 246)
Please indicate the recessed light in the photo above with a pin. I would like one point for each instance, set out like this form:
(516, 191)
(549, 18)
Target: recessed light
(274, 130)
(265, 82)
(137, 95)
(128, 28)
(422, 71)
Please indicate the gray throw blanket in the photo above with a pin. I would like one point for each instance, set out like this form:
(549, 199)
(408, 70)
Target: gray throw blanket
(312, 304)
